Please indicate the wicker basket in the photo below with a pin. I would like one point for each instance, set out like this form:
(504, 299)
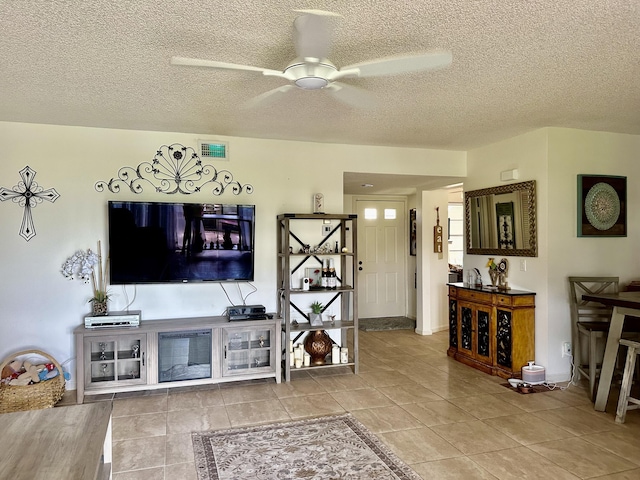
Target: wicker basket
(45, 394)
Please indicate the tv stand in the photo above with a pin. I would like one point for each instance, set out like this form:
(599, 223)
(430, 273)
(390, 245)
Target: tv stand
(124, 359)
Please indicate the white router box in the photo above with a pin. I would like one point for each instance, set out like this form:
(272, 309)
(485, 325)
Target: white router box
(114, 319)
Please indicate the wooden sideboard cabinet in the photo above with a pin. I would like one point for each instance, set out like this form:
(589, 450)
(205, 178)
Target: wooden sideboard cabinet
(491, 330)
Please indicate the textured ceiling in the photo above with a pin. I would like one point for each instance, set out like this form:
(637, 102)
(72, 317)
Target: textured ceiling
(517, 66)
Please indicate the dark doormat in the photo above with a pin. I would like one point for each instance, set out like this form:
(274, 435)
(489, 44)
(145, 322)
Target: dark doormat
(386, 323)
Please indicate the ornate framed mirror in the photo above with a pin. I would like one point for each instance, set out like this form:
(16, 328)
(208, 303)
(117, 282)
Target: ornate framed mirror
(502, 220)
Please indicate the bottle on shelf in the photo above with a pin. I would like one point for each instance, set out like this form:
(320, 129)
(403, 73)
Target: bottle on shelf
(336, 249)
(333, 278)
(324, 283)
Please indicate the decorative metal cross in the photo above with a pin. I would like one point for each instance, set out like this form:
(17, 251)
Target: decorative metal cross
(28, 194)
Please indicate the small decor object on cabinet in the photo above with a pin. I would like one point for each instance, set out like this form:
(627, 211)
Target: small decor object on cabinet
(332, 280)
(318, 203)
(344, 355)
(82, 265)
(98, 308)
(318, 345)
(602, 203)
(315, 277)
(493, 272)
(315, 317)
(503, 270)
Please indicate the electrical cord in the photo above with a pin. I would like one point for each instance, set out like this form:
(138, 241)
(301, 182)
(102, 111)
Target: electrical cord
(255, 289)
(226, 294)
(242, 297)
(572, 379)
(126, 296)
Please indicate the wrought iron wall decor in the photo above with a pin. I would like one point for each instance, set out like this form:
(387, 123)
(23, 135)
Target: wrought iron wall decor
(174, 169)
(28, 194)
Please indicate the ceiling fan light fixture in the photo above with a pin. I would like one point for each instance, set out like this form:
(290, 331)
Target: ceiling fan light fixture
(311, 83)
(311, 70)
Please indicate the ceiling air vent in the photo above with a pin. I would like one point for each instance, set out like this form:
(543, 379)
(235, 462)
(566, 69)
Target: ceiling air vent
(217, 150)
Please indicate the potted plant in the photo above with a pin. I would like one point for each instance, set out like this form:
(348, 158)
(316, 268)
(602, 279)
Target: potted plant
(315, 317)
(317, 343)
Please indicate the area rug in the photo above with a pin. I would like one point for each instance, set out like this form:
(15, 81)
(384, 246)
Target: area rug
(321, 448)
(386, 323)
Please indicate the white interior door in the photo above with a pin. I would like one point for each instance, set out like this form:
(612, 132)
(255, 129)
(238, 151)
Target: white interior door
(382, 240)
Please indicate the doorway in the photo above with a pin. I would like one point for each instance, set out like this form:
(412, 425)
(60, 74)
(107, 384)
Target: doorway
(382, 252)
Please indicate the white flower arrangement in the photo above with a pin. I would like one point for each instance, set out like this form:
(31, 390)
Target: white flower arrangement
(82, 266)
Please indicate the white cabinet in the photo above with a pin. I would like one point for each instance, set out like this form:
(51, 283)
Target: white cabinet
(305, 243)
(175, 352)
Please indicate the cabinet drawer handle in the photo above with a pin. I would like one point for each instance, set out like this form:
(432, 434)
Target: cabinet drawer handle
(143, 359)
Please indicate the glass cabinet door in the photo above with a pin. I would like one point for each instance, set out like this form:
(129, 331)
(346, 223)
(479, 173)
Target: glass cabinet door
(247, 350)
(116, 360)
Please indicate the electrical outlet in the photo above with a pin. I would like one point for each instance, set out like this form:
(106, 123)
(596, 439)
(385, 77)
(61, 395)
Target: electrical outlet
(566, 349)
(523, 265)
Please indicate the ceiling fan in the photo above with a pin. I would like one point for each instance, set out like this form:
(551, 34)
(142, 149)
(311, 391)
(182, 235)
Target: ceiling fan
(311, 70)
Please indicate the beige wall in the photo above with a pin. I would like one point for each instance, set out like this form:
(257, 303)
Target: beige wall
(554, 157)
(39, 308)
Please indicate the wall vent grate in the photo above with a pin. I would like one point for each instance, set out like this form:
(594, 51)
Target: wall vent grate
(217, 150)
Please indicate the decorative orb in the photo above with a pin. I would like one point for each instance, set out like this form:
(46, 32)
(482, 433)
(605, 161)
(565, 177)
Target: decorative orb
(345, 249)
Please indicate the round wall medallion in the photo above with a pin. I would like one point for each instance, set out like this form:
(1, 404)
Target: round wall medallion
(602, 206)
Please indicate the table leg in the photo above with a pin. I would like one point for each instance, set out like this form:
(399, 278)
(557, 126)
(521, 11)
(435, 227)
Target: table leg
(610, 355)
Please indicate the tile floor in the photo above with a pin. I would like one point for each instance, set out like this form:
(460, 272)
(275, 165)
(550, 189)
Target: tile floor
(445, 419)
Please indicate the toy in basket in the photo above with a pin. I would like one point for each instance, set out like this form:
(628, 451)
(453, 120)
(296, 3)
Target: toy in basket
(26, 386)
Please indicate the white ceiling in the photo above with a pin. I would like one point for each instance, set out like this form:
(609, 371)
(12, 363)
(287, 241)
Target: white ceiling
(517, 66)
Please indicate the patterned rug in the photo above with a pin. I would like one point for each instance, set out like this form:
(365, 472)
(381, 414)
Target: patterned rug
(386, 323)
(321, 448)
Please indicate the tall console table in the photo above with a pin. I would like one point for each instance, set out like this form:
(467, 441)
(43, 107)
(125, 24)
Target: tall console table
(491, 330)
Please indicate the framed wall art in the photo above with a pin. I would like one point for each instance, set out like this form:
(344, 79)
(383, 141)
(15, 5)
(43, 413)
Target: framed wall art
(504, 217)
(413, 232)
(602, 206)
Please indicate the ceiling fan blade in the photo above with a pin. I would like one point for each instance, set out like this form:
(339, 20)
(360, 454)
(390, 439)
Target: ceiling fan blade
(320, 13)
(196, 62)
(268, 97)
(313, 32)
(350, 95)
(396, 65)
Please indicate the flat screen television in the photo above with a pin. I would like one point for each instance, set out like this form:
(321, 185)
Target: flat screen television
(154, 242)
